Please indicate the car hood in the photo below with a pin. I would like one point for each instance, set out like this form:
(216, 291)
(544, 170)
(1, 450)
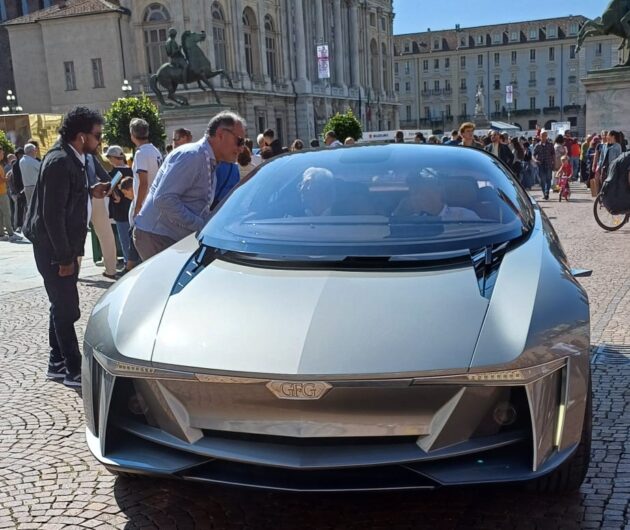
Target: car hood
(235, 318)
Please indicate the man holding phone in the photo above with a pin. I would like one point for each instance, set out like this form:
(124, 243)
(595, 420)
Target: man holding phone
(56, 224)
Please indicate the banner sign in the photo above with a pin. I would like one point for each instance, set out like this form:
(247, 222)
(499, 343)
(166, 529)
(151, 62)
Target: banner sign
(509, 94)
(323, 62)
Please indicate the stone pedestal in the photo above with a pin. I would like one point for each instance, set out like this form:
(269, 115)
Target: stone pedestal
(194, 117)
(481, 121)
(608, 100)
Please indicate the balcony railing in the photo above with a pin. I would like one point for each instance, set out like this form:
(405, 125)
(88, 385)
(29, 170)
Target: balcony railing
(448, 91)
(463, 89)
(572, 108)
(426, 93)
(551, 110)
(532, 82)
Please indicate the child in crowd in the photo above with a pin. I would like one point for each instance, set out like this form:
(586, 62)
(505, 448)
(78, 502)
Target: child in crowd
(126, 187)
(564, 176)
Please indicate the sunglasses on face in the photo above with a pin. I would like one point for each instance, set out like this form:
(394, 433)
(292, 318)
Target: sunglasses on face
(97, 136)
(240, 141)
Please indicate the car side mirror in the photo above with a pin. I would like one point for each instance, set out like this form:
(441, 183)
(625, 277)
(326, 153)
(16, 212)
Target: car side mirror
(581, 273)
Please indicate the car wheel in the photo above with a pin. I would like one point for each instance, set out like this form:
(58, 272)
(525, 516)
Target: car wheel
(570, 475)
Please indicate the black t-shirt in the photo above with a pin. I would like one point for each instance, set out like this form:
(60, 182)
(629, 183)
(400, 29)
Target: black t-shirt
(119, 211)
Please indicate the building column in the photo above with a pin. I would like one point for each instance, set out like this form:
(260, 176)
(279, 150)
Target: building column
(237, 41)
(338, 44)
(319, 22)
(260, 14)
(300, 56)
(354, 43)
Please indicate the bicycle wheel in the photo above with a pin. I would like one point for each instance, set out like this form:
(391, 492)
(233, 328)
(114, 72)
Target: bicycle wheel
(605, 219)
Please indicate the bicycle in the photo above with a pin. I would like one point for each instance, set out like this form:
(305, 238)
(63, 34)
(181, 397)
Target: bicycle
(607, 220)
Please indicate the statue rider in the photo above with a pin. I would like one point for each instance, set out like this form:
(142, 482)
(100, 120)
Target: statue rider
(176, 55)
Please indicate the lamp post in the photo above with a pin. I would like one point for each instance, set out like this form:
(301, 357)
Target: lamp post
(12, 105)
(126, 88)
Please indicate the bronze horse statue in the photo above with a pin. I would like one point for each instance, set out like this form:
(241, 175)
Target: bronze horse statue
(614, 21)
(200, 70)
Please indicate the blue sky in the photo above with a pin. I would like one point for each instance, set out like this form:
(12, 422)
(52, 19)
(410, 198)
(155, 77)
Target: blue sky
(413, 16)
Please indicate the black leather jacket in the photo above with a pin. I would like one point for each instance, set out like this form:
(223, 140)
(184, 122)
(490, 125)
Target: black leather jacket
(57, 215)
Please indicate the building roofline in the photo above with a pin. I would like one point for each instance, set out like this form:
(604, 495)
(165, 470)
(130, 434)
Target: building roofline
(57, 12)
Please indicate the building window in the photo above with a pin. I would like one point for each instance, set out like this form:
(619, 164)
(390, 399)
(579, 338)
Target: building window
(551, 81)
(373, 19)
(71, 81)
(425, 65)
(374, 64)
(396, 68)
(407, 67)
(425, 86)
(218, 36)
(532, 56)
(271, 49)
(497, 59)
(572, 79)
(155, 27)
(532, 103)
(573, 28)
(480, 40)
(397, 87)
(463, 42)
(598, 49)
(497, 105)
(97, 73)
(448, 110)
(462, 83)
(572, 51)
(447, 84)
(552, 101)
(407, 86)
(427, 112)
(436, 64)
(250, 41)
(496, 38)
(533, 34)
(497, 82)
(552, 32)
(383, 24)
(408, 112)
(552, 54)
(407, 47)
(514, 36)
(447, 63)
(436, 44)
(480, 61)
(464, 109)
(436, 84)
(462, 62)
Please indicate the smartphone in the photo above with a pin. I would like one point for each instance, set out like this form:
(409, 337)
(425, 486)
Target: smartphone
(114, 182)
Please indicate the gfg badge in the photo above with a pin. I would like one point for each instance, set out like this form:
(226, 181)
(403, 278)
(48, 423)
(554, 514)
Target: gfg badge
(297, 390)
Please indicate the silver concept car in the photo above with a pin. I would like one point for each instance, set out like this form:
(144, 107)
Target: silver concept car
(362, 318)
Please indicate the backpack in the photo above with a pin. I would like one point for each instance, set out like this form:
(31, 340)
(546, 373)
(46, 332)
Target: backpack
(615, 192)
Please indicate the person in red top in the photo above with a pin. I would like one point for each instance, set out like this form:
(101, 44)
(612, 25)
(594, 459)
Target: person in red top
(573, 150)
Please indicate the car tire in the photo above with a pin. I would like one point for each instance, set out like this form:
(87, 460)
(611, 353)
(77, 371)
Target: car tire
(568, 477)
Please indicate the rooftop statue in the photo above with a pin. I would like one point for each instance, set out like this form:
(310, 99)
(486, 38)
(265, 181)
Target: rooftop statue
(614, 21)
(187, 64)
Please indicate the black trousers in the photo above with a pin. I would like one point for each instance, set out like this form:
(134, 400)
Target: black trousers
(18, 211)
(64, 310)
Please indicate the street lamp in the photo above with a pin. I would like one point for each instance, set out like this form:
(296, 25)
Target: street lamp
(126, 88)
(11, 105)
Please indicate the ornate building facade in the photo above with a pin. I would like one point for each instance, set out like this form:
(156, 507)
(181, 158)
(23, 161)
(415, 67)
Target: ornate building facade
(267, 47)
(437, 73)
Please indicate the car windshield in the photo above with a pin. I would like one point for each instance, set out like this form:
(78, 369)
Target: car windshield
(372, 201)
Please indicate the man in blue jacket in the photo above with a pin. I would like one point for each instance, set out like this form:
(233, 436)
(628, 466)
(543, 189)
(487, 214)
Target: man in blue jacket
(181, 197)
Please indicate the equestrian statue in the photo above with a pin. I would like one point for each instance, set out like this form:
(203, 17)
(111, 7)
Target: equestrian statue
(614, 21)
(187, 64)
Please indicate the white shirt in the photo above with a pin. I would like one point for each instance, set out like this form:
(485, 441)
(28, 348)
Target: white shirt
(29, 167)
(149, 159)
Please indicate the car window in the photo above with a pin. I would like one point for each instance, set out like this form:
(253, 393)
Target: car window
(372, 201)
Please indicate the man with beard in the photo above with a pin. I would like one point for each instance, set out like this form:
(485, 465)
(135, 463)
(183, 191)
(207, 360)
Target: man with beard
(56, 224)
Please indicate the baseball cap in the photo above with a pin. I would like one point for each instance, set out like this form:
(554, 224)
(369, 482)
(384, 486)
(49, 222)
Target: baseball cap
(115, 150)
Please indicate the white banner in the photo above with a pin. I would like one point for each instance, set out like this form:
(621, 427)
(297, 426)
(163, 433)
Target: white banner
(323, 63)
(509, 94)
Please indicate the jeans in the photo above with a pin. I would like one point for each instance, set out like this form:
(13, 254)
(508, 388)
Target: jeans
(575, 165)
(122, 227)
(63, 296)
(545, 179)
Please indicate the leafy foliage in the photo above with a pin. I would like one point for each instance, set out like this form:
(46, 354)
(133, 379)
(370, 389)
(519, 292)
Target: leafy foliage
(344, 125)
(6, 144)
(117, 118)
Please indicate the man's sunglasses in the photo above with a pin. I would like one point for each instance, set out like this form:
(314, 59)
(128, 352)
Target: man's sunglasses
(97, 136)
(240, 141)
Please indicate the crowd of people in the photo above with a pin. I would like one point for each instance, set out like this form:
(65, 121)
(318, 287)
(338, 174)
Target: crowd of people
(156, 199)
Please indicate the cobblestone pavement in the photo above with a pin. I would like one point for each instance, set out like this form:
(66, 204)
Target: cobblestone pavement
(48, 479)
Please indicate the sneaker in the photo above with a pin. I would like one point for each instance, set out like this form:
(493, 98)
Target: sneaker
(56, 370)
(15, 237)
(72, 381)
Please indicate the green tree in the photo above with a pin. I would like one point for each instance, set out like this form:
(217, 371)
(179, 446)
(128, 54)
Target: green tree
(117, 118)
(344, 125)
(6, 144)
